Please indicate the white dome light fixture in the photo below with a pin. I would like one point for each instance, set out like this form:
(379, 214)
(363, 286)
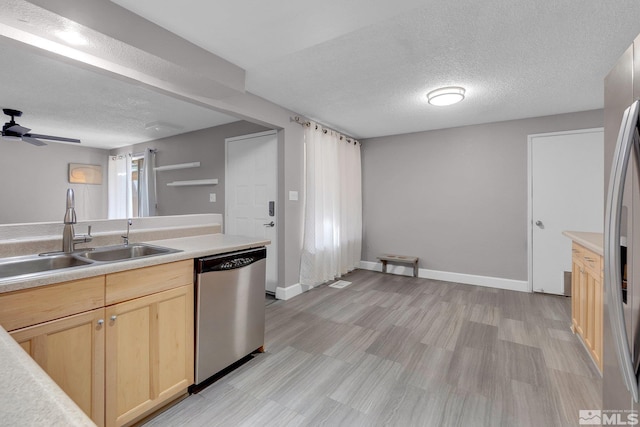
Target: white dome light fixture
(446, 96)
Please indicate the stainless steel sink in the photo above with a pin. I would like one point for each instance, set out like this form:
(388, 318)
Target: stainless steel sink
(32, 264)
(122, 252)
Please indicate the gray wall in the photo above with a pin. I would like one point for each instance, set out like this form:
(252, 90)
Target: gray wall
(34, 181)
(456, 198)
(205, 146)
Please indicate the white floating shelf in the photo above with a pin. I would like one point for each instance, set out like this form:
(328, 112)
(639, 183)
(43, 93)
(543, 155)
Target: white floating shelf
(192, 182)
(178, 166)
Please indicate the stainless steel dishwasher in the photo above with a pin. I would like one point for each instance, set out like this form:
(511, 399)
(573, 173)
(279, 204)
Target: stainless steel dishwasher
(230, 301)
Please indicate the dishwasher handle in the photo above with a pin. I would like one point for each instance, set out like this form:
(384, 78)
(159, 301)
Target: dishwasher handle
(230, 261)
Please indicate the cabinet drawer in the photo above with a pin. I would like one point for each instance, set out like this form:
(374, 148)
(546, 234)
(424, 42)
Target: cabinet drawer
(576, 253)
(592, 262)
(32, 306)
(587, 259)
(131, 284)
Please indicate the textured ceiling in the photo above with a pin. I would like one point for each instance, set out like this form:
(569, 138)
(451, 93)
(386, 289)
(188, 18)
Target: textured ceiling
(63, 100)
(365, 66)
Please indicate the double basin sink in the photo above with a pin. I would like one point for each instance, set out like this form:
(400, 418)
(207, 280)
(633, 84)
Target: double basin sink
(36, 264)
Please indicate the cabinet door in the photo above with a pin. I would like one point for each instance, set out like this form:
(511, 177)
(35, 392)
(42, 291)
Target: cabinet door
(71, 351)
(149, 350)
(581, 301)
(589, 325)
(597, 315)
(575, 296)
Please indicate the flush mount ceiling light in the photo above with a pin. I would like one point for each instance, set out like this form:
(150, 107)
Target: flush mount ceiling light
(161, 126)
(446, 96)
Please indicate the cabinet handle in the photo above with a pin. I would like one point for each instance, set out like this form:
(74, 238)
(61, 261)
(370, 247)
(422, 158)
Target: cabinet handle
(113, 318)
(100, 322)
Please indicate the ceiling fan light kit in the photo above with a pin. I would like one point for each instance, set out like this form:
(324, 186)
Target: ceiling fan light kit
(13, 131)
(446, 96)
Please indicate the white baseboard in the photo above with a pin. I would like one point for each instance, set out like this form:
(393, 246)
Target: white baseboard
(288, 292)
(285, 293)
(468, 279)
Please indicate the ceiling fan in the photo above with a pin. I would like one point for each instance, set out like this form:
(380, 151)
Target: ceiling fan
(12, 130)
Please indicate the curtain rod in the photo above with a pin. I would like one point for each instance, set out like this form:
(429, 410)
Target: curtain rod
(305, 122)
(153, 150)
(119, 156)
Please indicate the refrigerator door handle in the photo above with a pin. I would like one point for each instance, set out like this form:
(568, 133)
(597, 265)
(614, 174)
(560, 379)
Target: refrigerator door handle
(627, 139)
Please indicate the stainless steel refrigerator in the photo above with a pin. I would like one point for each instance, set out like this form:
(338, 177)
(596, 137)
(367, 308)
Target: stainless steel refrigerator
(621, 340)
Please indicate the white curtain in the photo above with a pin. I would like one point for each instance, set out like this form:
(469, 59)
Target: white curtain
(120, 198)
(147, 182)
(332, 242)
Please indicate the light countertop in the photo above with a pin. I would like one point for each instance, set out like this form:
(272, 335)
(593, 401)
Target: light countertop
(28, 396)
(592, 241)
(191, 247)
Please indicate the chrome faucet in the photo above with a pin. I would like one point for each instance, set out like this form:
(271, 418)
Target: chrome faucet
(126, 238)
(69, 237)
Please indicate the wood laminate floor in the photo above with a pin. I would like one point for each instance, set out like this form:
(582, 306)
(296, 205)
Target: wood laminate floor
(401, 351)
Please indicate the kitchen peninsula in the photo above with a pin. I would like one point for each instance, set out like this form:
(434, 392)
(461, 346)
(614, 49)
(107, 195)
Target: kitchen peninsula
(22, 377)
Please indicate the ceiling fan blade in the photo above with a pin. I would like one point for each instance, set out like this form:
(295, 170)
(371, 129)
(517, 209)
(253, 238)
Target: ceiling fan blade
(18, 129)
(32, 140)
(52, 138)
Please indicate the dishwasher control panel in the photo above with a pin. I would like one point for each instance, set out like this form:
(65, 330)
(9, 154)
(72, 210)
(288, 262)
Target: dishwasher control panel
(236, 263)
(230, 261)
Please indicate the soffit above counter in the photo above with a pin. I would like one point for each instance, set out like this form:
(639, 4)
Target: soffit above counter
(122, 43)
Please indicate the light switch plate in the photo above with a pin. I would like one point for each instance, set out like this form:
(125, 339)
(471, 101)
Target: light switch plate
(293, 195)
(212, 197)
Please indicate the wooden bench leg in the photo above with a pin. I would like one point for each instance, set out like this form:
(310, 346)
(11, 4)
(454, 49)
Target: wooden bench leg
(384, 266)
(415, 269)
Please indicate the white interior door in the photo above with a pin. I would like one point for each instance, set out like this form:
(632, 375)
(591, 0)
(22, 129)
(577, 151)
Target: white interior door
(567, 193)
(251, 193)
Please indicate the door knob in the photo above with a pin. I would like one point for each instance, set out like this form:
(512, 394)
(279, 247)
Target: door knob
(539, 224)
(270, 224)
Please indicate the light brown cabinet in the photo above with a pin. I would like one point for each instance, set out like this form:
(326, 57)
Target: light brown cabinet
(149, 349)
(587, 299)
(120, 345)
(37, 305)
(71, 351)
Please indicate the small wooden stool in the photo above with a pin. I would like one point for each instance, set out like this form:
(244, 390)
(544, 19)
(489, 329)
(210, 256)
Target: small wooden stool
(385, 258)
